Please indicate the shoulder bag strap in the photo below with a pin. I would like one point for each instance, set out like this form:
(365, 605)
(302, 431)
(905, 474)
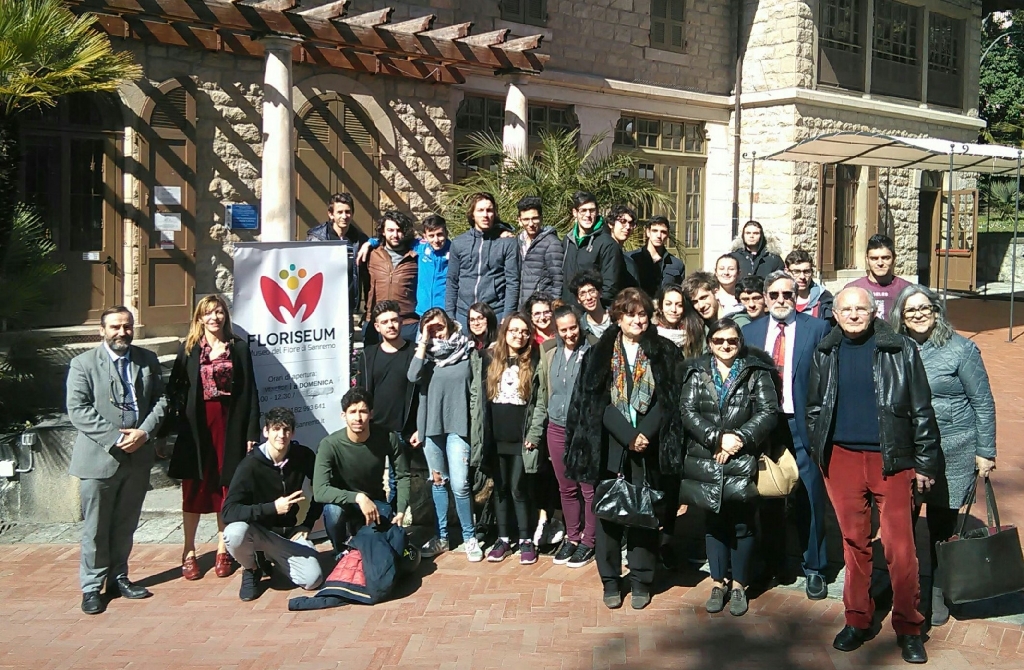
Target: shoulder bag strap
(969, 502)
(990, 503)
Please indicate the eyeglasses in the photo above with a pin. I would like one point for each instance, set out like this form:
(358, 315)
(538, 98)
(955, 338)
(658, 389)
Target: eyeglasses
(625, 220)
(847, 311)
(807, 272)
(720, 341)
(477, 319)
(518, 331)
(924, 310)
(542, 312)
(785, 295)
(586, 292)
(587, 210)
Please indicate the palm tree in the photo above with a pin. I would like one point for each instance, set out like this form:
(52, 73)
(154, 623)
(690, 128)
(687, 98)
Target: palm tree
(557, 170)
(46, 52)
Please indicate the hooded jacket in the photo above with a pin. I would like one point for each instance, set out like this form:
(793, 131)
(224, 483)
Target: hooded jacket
(750, 410)
(598, 251)
(762, 262)
(483, 267)
(907, 428)
(432, 281)
(540, 264)
(588, 439)
(819, 303)
(258, 483)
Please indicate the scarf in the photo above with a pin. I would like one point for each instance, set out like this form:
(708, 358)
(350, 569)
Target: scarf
(639, 399)
(722, 386)
(451, 351)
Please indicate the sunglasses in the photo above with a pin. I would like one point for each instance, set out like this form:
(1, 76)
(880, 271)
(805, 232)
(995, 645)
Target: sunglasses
(731, 341)
(786, 295)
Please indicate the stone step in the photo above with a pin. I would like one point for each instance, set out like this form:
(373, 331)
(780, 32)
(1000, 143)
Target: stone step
(161, 346)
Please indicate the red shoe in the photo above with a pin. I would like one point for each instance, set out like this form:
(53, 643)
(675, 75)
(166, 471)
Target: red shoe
(190, 569)
(224, 565)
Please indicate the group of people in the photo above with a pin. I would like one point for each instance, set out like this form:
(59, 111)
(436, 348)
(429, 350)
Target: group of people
(534, 364)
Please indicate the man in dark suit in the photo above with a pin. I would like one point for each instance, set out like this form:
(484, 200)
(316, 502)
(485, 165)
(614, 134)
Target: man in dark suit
(790, 338)
(115, 399)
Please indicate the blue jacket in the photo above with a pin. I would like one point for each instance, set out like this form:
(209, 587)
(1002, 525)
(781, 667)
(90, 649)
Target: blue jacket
(433, 275)
(809, 332)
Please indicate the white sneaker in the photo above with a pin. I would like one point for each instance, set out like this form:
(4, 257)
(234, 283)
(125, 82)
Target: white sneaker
(435, 547)
(473, 551)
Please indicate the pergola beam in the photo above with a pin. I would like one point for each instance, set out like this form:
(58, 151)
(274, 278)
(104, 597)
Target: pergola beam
(492, 38)
(370, 19)
(326, 12)
(458, 31)
(412, 26)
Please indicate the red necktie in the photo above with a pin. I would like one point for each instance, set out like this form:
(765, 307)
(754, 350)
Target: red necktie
(779, 350)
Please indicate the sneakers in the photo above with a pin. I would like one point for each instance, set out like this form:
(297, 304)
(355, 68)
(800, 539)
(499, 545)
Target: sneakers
(250, 589)
(565, 552)
(499, 551)
(716, 601)
(473, 551)
(527, 552)
(581, 557)
(435, 547)
(538, 534)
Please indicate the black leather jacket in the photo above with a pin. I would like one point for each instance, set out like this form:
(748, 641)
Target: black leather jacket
(906, 420)
(750, 411)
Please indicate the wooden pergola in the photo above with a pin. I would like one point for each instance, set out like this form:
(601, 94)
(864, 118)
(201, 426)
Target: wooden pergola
(368, 43)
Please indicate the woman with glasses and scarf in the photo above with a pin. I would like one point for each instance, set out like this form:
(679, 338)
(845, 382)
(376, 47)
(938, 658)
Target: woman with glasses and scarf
(448, 370)
(729, 406)
(964, 410)
(623, 420)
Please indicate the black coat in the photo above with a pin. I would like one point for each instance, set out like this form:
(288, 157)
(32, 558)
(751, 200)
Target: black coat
(906, 421)
(594, 427)
(185, 391)
(363, 376)
(761, 263)
(750, 411)
(599, 252)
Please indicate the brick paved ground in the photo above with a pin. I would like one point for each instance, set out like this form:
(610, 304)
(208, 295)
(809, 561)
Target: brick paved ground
(457, 615)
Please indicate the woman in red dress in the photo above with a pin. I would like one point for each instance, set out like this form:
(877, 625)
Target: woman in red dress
(213, 390)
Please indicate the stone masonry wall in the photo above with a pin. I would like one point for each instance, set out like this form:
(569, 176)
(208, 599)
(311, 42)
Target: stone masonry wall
(780, 45)
(604, 37)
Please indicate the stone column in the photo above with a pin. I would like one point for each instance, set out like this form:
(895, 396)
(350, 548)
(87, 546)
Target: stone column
(596, 121)
(515, 137)
(277, 202)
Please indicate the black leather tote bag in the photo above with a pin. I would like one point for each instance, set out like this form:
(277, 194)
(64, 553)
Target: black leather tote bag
(619, 501)
(981, 563)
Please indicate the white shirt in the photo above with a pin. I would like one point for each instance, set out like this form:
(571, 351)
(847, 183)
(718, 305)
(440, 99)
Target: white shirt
(769, 346)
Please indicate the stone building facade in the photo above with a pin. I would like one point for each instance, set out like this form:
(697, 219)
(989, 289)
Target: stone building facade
(656, 78)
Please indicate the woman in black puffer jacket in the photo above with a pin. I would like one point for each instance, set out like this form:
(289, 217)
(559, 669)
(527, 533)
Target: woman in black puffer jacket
(729, 407)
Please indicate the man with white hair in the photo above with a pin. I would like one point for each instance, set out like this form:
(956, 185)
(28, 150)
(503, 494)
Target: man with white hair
(872, 430)
(791, 338)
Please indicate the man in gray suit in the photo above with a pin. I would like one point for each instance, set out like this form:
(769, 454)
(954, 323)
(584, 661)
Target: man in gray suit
(116, 401)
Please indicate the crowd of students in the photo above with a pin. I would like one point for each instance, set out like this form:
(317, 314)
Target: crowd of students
(527, 369)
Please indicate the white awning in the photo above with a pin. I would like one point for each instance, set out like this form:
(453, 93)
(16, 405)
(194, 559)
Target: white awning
(921, 153)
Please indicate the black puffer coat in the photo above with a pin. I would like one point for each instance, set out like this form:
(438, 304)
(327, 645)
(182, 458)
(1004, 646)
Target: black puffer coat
(906, 420)
(587, 439)
(750, 411)
(541, 265)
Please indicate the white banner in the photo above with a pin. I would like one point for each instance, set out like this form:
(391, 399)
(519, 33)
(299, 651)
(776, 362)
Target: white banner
(291, 304)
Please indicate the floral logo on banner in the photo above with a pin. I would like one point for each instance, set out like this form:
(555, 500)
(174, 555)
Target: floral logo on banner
(277, 299)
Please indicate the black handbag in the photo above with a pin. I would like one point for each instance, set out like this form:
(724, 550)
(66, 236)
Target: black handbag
(619, 501)
(981, 563)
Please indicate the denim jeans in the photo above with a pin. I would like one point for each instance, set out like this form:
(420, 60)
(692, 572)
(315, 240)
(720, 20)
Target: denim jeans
(342, 521)
(448, 455)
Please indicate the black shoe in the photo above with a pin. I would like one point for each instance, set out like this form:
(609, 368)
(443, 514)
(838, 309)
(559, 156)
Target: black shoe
(738, 602)
(816, 587)
(250, 589)
(716, 602)
(913, 648)
(565, 552)
(668, 557)
(612, 596)
(582, 556)
(129, 590)
(640, 597)
(850, 638)
(92, 602)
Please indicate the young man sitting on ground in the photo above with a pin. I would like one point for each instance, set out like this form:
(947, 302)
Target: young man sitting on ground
(351, 465)
(262, 506)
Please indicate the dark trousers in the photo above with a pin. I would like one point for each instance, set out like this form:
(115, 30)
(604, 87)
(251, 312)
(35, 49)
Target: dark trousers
(641, 543)
(941, 526)
(809, 507)
(852, 477)
(730, 541)
(341, 522)
(511, 483)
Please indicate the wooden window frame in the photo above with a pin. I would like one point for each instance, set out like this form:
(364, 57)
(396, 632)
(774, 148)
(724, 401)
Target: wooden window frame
(670, 18)
(529, 12)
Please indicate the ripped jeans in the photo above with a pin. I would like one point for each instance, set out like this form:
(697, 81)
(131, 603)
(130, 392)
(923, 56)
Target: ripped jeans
(448, 456)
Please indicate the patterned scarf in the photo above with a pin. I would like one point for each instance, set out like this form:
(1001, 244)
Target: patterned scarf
(722, 386)
(643, 382)
(451, 351)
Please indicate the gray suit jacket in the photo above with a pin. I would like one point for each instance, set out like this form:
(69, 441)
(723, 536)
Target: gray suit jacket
(92, 410)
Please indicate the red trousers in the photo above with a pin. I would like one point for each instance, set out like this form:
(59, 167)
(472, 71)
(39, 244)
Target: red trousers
(851, 476)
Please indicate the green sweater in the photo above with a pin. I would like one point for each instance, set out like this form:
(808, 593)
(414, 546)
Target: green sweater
(345, 468)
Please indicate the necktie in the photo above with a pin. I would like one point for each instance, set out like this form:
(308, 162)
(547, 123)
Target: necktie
(779, 350)
(129, 412)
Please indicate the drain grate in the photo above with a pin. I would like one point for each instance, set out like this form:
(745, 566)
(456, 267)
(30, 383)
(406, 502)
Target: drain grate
(6, 526)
